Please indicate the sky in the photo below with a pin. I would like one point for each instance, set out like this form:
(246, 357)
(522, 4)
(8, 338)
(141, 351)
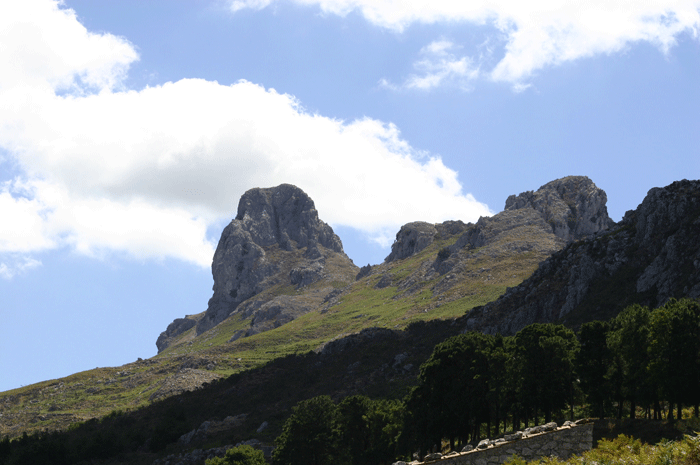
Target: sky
(130, 129)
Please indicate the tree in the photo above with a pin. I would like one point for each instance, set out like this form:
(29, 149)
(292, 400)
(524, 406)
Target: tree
(310, 436)
(675, 352)
(369, 429)
(544, 359)
(455, 382)
(629, 340)
(239, 455)
(592, 364)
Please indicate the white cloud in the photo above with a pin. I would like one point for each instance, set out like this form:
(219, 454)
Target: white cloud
(12, 264)
(23, 220)
(538, 33)
(439, 66)
(145, 172)
(236, 5)
(45, 46)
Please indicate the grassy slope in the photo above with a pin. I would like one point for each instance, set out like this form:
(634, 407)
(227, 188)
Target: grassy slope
(484, 274)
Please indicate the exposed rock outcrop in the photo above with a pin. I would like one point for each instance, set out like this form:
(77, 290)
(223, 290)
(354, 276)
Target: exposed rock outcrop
(411, 239)
(276, 240)
(177, 327)
(570, 208)
(531, 227)
(653, 254)
(282, 216)
(573, 206)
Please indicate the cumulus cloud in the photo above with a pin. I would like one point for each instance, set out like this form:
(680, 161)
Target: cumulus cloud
(103, 168)
(537, 33)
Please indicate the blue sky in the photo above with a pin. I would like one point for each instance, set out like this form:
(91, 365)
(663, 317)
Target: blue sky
(130, 129)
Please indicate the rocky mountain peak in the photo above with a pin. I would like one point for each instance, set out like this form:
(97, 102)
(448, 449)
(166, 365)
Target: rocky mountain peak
(284, 215)
(411, 239)
(574, 207)
(276, 239)
(571, 208)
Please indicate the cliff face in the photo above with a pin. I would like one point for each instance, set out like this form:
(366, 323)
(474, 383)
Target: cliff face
(653, 254)
(276, 240)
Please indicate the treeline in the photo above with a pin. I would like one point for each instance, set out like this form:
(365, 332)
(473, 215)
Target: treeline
(475, 384)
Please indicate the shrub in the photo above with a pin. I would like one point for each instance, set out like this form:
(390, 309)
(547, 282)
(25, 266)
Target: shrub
(239, 455)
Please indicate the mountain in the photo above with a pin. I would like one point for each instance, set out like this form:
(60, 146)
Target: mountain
(275, 246)
(551, 255)
(283, 286)
(653, 254)
(277, 260)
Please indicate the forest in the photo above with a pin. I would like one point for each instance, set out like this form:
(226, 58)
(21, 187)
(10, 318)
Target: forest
(641, 363)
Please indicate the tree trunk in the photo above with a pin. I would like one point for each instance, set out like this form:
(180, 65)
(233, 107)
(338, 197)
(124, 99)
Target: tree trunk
(571, 408)
(633, 409)
(657, 410)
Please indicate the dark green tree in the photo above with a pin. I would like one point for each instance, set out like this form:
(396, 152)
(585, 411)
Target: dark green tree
(501, 395)
(456, 386)
(544, 359)
(310, 436)
(420, 429)
(369, 429)
(593, 363)
(675, 352)
(629, 342)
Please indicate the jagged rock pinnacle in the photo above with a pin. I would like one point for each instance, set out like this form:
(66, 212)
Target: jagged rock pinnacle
(269, 221)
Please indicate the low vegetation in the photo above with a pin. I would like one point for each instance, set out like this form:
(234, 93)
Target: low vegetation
(625, 450)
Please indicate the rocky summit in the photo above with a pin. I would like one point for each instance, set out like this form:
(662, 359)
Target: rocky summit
(276, 240)
(652, 255)
(497, 250)
(573, 206)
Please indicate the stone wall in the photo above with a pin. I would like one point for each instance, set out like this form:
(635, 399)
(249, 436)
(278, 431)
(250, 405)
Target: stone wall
(531, 444)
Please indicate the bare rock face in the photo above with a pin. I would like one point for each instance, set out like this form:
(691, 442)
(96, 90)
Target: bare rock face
(652, 255)
(533, 226)
(411, 239)
(178, 326)
(283, 216)
(573, 206)
(276, 239)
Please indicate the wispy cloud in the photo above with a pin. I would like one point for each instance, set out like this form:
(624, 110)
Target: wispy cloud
(103, 168)
(538, 33)
(439, 66)
(12, 265)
